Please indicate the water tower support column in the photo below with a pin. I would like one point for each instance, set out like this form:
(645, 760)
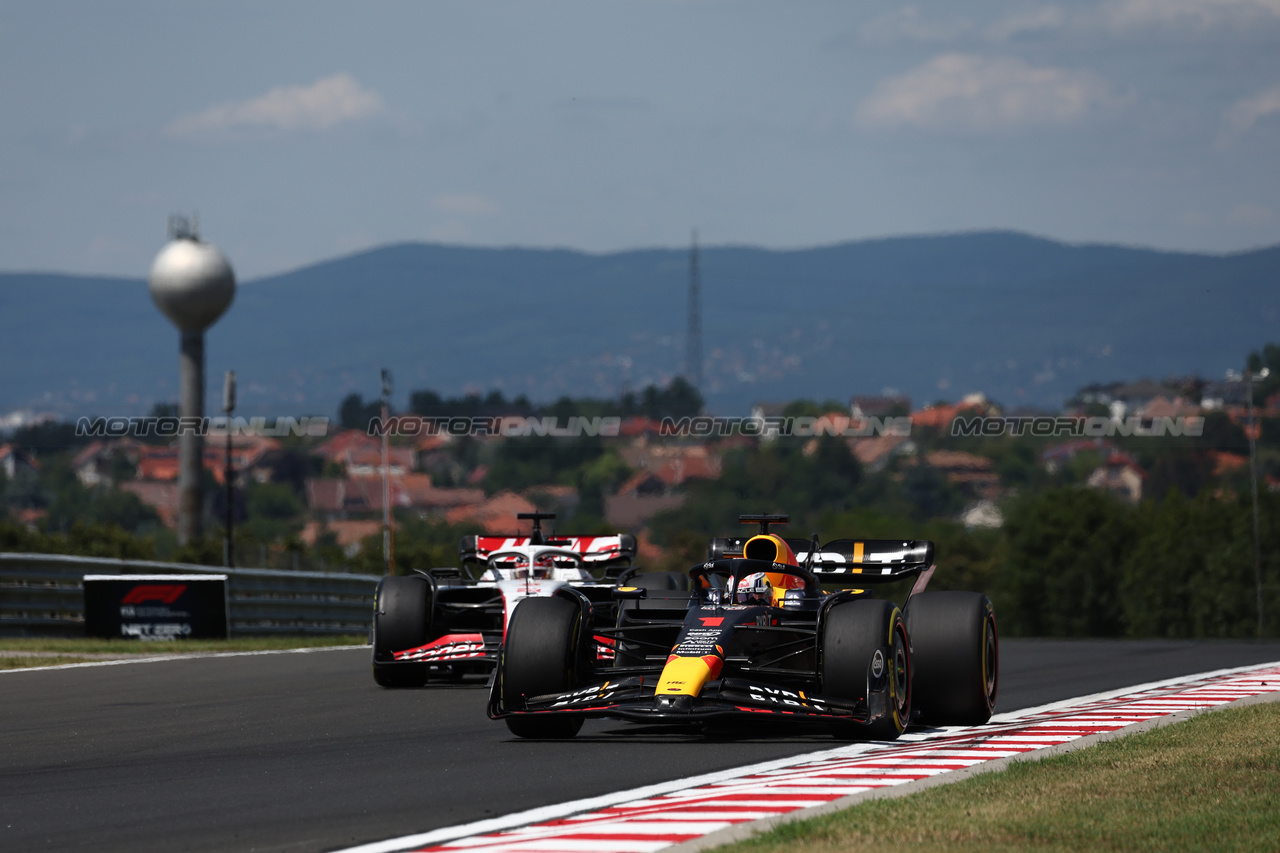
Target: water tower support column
(191, 444)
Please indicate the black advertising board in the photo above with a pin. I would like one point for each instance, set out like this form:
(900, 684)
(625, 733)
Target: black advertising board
(155, 607)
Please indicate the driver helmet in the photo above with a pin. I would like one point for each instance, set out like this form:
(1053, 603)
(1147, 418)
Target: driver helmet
(755, 589)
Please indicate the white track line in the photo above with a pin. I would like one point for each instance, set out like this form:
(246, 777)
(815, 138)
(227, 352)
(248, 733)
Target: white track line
(631, 820)
(544, 813)
(176, 656)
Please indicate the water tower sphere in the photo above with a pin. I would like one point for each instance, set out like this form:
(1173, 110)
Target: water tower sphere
(192, 284)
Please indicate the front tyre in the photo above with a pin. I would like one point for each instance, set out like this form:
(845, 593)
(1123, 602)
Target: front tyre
(866, 653)
(540, 656)
(953, 635)
(401, 620)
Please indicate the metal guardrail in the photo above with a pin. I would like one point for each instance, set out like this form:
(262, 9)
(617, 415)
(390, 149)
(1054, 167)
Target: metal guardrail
(44, 594)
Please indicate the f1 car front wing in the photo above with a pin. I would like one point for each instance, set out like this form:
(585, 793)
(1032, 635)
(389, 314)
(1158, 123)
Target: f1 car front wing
(632, 698)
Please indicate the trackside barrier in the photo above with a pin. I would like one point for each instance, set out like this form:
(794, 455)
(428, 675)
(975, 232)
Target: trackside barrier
(44, 594)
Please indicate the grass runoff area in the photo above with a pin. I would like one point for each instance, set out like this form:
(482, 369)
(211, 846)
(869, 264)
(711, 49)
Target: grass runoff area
(24, 652)
(1209, 783)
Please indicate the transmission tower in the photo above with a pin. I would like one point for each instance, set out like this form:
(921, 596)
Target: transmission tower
(693, 342)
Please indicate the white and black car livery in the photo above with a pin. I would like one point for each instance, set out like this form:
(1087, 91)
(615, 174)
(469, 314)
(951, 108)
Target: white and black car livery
(450, 622)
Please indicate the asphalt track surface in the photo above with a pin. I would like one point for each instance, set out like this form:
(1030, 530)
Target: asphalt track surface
(302, 752)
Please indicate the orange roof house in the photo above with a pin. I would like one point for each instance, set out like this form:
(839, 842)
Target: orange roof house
(160, 496)
(495, 513)
(966, 469)
(674, 464)
(874, 453)
(350, 535)
(1164, 407)
(1225, 463)
(357, 495)
(368, 463)
(158, 463)
(335, 449)
(940, 417)
(1120, 475)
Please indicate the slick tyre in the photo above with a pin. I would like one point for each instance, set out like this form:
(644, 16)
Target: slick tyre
(540, 656)
(865, 652)
(957, 657)
(401, 620)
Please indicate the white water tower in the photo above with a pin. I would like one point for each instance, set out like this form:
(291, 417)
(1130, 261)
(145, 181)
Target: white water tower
(192, 284)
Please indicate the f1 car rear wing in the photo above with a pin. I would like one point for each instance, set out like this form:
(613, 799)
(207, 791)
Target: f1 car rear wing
(870, 560)
(594, 550)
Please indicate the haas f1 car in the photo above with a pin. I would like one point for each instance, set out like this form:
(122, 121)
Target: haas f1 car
(758, 637)
(450, 622)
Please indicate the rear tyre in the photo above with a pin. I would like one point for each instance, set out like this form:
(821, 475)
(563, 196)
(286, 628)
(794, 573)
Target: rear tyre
(853, 635)
(401, 620)
(957, 656)
(540, 656)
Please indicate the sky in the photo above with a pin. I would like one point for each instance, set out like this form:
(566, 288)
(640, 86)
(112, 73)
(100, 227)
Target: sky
(304, 131)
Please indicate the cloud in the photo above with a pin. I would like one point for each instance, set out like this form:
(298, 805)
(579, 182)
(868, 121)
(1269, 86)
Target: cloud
(1116, 17)
(975, 93)
(1125, 14)
(1252, 214)
(466, 204)
(320, 106)
(449, 232)
(612, 103)
(1029, 22)
(908, 24)
(1244, 114)
(106, 249)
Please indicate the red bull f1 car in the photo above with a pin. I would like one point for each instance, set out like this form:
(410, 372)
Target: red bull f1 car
(450, 622)
(756, 635)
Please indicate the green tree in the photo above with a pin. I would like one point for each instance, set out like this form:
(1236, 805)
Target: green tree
(355, 413)
(81, 539)
(273, 511)
(929, 493)
(1062, 575)
(1183, 471)
(419, 544)
(540, 460)
(67, 502)
(775, 477)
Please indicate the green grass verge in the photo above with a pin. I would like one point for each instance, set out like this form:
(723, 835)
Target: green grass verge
(1210, 783)
(59, 650)
(30, 663)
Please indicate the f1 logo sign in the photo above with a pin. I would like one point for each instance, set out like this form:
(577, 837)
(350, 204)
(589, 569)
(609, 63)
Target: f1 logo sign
(163, 593)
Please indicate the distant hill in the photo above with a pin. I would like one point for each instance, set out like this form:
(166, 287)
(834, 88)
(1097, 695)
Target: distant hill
(1023, 319)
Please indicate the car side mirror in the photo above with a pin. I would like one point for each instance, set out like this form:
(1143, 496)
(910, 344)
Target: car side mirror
(630, 593)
